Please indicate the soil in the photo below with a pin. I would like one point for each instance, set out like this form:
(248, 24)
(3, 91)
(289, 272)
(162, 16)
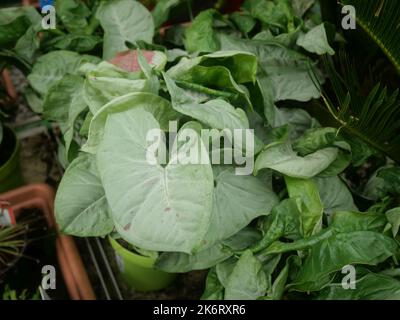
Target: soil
(39, 251)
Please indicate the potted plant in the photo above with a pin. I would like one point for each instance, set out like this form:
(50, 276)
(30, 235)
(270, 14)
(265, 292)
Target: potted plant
(137, 267)
(39, 198)
(261, 235)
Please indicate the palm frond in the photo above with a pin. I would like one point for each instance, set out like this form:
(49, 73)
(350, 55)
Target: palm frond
(375, 117)
(380, 19)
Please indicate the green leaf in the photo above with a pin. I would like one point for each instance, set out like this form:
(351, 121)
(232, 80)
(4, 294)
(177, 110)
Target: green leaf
(81, 207)
(306, 192)
(315, 139)
(281, 157)
(335, 195)
(284, 221)
(278, 287)
(13, 25)
(160, 108)
(217, 113)
(63, 103)
(106, 82)
(244, 21)
(204, 259)
(242, 65)
(393, 217)
(75, 42)
(172, 202)
(237, 201)
(316, 41)
(73, 14)
(352, 239)
(360, 247)
(33, 99)
(224, 270)
(247, 280)
(370, 287)
(218, 77)
(272, 14)
(124, 20)
(183, 262)
(51, 67)
(391, 178)
(300, 7)
(284, 71)
(213, 290)
(161, 11)
(200, 36)
(27, 45)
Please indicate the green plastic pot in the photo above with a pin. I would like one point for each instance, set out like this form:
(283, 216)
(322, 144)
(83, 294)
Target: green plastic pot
(10, 170)
(138, 271)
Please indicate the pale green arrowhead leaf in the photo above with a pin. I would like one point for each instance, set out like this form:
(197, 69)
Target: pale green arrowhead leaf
(281, 157)
(124, 20)
(237, 201)
(159, 107)
(335, 195)
(316, 41)
(52, 66)
(81, 207)
(101, 90)
(153, 207)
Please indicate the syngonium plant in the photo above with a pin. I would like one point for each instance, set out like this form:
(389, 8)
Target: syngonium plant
(290, 227)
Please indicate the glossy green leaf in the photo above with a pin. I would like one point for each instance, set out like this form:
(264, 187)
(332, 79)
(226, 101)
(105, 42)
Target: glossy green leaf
(285, 71)
(247, 280)
(307, 195)
(217, 113)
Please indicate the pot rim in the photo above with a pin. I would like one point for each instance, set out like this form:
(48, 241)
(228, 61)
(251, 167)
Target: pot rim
(145, 262)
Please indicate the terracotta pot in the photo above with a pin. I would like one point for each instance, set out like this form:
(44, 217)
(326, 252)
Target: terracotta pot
(41, 196)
